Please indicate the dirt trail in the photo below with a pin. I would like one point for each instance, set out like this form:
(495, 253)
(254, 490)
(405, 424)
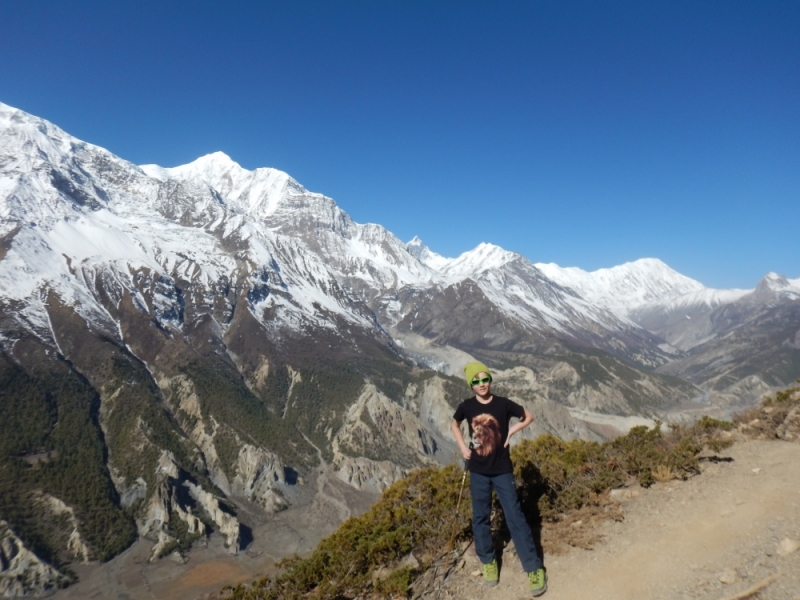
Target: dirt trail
(710, 538)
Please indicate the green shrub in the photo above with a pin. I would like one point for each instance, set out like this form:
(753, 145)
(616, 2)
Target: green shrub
(416, 514)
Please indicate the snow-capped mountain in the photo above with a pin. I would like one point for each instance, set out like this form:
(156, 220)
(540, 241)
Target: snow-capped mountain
(74, 213)
(626, 287)
(426, 256)
(777, 288)
(372, 266)
(74, 210)
(215, 328)
(275, 201)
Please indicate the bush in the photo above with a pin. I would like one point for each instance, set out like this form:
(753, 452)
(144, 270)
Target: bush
(557, 476)
(416, 515)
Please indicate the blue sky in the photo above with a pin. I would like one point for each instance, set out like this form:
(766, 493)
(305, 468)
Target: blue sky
(582, 133)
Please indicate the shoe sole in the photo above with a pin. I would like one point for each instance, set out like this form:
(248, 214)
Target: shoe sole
(537, 593)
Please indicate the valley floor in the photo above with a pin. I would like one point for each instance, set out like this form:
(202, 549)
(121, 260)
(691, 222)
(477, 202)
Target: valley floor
(713, 537)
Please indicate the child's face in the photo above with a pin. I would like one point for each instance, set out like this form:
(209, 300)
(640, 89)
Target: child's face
(482, 388)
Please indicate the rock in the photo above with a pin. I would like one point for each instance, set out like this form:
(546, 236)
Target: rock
(178, 558)
(728, 576)
(164, 503)
(786, 546)
(22, 573)
(129, 494)
(789, 430)
(257, 474)
(618, 495)
(76, 546)
(367, 475)
(228, 524)
(409, 561)
(164, 540)
(622, 494)
(401, 434)
(166, 465)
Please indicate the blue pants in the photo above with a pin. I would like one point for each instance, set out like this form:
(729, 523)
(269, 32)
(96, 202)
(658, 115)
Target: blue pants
(481, 488)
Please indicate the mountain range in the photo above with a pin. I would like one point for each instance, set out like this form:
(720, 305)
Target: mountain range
(183, 348)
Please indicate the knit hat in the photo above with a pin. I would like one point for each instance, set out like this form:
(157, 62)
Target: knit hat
(473, 368)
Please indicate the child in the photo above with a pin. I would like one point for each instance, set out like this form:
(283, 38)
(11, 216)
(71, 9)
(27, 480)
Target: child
(489, 464)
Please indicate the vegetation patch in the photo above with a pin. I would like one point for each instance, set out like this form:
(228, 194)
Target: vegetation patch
(777, 417)
(415, 515)
(178, 529)
(75, 470)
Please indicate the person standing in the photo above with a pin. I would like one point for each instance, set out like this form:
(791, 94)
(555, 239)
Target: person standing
(489, 463)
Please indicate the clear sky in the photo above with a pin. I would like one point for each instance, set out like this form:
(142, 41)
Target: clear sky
(582, 133)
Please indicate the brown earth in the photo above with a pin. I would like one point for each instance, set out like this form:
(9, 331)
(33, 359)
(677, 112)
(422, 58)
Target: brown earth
(717, 536)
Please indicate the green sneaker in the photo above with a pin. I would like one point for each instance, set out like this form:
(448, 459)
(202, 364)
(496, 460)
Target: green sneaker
(491, 573)
(537, 582)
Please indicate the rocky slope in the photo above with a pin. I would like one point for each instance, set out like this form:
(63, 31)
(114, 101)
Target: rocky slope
(21, 571)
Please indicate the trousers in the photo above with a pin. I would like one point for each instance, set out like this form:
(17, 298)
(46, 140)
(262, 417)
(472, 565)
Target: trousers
(481, 488)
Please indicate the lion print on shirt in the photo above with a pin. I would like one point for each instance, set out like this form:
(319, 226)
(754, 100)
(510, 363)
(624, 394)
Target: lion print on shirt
(485, 434)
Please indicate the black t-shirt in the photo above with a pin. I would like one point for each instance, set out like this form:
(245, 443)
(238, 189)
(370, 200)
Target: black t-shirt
(488, 431)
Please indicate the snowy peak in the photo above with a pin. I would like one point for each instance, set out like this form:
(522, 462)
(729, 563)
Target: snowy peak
(426, 256)
(417, 248)
(776, 282)
(19, 131)
(303, 236)
(257, 193)
(47, 176)
(774, 285)
(625, 287)
(211, 169)
(28, 142)
(705, 297)
(482, 258)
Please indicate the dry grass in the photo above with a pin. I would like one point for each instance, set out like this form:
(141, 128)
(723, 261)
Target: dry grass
(579, 528)
(664, 473)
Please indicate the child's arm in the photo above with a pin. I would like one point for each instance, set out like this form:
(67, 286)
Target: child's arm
(455, 426)
(520, 425)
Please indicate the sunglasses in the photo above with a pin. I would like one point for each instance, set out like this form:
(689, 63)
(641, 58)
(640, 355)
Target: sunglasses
(475, 382)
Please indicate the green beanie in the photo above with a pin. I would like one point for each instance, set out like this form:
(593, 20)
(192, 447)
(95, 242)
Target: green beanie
(474, 368)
